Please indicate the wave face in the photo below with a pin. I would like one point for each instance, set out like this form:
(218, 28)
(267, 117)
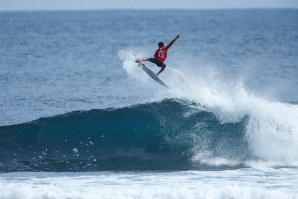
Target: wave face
(165, 135)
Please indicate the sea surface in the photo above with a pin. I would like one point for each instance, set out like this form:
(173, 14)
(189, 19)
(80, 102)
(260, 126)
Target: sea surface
(80, 119)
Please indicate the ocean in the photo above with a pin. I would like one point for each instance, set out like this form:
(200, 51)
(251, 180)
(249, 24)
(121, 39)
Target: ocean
(80, 119)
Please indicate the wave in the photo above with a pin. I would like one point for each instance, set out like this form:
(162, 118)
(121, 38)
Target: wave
(165, 135)
(202, 122)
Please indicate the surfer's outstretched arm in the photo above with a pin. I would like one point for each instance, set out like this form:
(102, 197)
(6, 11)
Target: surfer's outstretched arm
(172, 42)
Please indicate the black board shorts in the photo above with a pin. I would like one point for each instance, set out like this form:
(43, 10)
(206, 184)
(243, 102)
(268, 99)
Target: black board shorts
(157, 62)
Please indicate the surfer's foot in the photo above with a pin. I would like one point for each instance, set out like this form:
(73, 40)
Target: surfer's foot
(140, 60)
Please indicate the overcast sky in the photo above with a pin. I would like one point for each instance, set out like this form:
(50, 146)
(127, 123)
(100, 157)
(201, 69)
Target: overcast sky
(142, 4)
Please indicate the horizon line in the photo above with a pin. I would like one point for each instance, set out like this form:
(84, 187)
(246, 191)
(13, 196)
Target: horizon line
(148, 9)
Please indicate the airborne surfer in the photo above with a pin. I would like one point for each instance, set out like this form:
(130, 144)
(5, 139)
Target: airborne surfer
(161, 54)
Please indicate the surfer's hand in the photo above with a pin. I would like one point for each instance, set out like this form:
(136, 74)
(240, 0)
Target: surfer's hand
(177, 36)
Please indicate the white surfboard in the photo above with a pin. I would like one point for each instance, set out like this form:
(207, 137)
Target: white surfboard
(150, 73)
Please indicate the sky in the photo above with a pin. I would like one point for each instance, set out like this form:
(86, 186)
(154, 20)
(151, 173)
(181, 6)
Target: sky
(8, 5)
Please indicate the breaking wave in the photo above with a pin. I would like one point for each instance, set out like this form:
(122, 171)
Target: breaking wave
(165, 135)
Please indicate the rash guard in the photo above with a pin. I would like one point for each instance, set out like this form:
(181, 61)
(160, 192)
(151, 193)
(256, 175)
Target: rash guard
(161, 54)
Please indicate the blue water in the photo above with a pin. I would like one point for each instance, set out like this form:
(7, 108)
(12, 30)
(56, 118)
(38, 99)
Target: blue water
(75, 106)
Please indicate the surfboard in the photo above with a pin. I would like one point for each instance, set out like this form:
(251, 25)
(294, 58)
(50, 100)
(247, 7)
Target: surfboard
(150, 73)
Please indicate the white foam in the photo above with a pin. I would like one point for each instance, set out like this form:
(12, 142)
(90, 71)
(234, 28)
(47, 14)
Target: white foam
(206, 157)
(273, 132)
(246, 184)
(272, 128)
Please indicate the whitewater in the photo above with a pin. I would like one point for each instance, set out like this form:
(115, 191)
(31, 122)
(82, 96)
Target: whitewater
(80, 119)
(270, 128)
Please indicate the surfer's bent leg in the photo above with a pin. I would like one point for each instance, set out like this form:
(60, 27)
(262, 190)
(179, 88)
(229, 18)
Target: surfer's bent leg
(150, 59)
(163, 66)
(158, 63)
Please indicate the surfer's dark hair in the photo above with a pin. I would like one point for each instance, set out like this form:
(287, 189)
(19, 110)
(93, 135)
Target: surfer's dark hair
(161, 44)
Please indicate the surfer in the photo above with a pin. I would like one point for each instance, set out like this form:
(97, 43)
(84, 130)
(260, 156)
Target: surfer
(161, 54)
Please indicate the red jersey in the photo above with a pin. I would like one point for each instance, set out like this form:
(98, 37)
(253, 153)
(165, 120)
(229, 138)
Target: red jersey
(161, 53)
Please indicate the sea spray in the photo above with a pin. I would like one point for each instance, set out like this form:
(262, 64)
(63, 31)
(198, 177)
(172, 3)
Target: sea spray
(271, 129)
